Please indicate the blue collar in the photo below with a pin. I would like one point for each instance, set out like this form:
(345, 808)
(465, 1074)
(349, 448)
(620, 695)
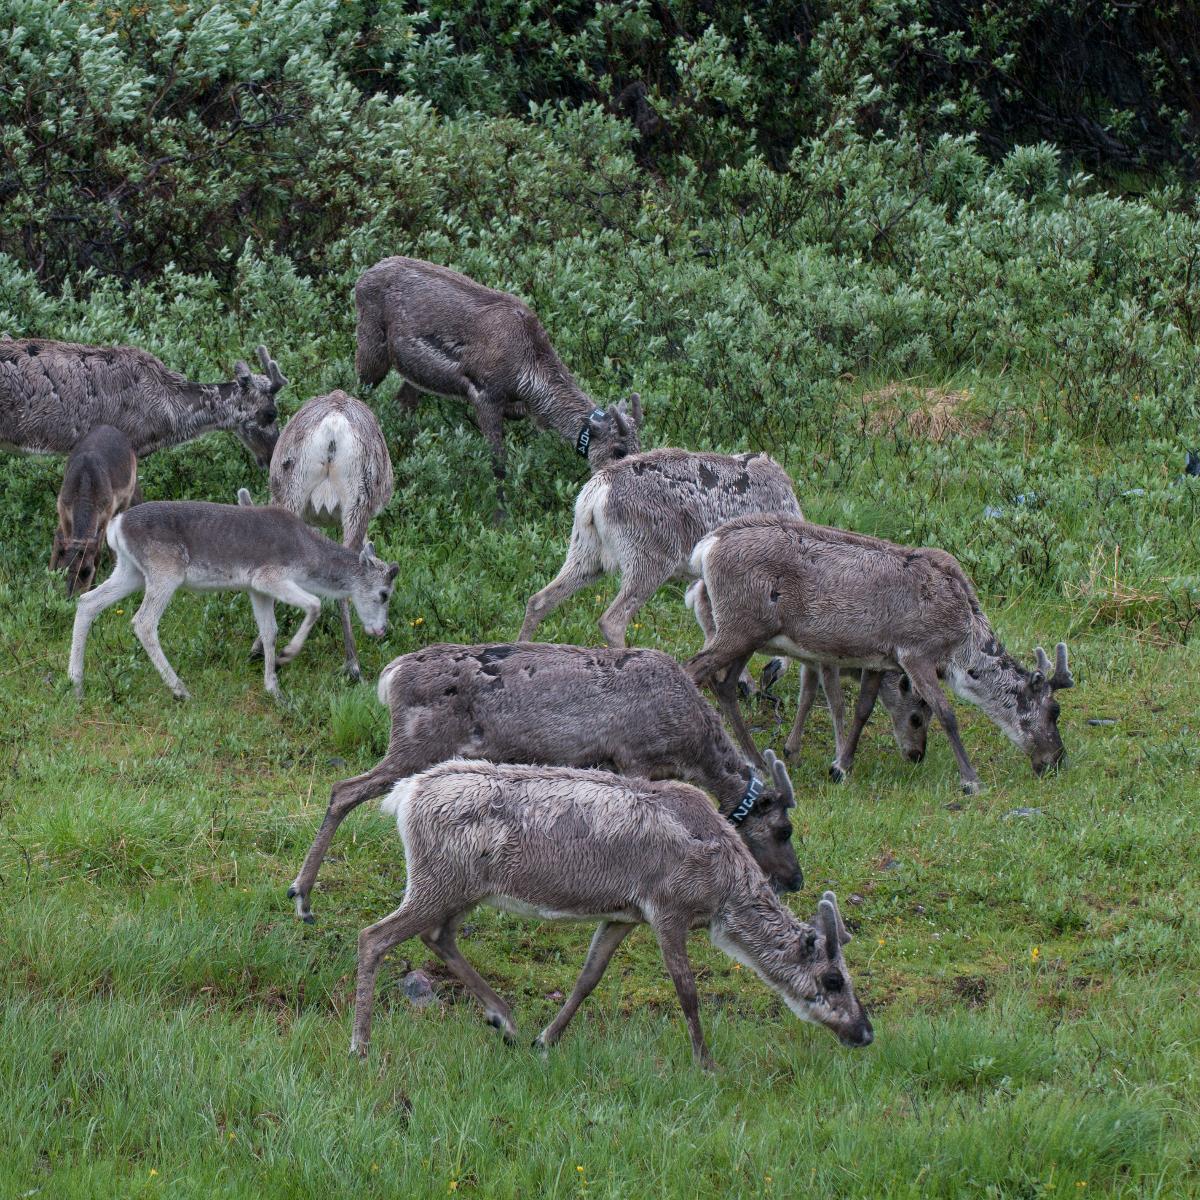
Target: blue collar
(585, 434)
(754, 789)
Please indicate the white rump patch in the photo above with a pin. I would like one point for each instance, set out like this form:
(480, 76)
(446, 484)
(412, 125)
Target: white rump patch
(395, 804)
(383, 687)
(699, 559)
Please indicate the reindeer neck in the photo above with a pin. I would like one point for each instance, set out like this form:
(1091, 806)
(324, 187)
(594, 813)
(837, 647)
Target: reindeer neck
(190, 410)
(556, 401)
(755, 926)
(720, 767)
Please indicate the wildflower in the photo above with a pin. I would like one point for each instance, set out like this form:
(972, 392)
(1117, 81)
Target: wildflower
(453, 1186)
(153, 1172)
(1035, 953)
(232, 1136)
(120, 612)
(883, 941)
(375, 1167)
(580, 1170)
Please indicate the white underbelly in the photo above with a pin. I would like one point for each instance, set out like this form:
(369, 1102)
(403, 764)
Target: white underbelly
(522, 908)
(873, 662)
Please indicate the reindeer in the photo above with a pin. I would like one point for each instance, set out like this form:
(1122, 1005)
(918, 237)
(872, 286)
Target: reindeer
(100, 481)
(829, 596)
(444, 333)
(631, 711)
(52, 394)
(586, 845)
(908, 712)
(643, 515)
(164, 545)
(330, 467)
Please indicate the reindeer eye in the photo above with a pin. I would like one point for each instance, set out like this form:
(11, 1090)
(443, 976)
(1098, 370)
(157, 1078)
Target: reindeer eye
(1054, 710)
(383, 596)
(784, 834)
(915, 720)
(905, 685)
(832, 983)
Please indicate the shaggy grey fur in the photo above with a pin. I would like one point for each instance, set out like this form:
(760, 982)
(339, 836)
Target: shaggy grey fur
(331, 467)
(444, 333)
(586, 845)
(54, 393)
(269, 552)
(643, 516)
(99, 482)
(632, 711)
(908, 712)
(829, 596)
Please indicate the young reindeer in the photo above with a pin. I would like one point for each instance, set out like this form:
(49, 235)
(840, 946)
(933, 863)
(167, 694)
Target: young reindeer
(829, 596)
(164, 545)
(331, 467)
(444, 333)
(908, 712)
(586, 845)
(53, 393)
(631, 711)
(100, 481)
(643, 516)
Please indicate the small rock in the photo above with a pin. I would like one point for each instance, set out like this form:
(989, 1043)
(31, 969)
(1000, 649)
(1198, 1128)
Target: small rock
(854, 898)
(1101, 721)
(990, 510)
(554, 995)
(1134, 492)
(1025, 812)
(418, 989)
(954, 806)
(919, 909)
(336, 761)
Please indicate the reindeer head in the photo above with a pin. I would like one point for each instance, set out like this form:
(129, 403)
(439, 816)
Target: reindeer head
(256, 417)
(826, 995)
(612, 434)
(372, 590)
(1022, 702)
(77, 557)
(910, 714)
(767, 829)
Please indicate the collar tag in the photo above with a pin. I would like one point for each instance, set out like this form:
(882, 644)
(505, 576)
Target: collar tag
(585, 434)
(754, 789)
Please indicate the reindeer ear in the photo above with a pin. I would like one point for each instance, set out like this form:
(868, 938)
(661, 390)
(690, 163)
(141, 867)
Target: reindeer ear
(635, 407)
(618, 415)
(241, 373)
(367, 552)
(393, 571)
(245, 500)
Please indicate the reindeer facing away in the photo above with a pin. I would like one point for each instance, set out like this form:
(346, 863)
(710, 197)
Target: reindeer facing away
(52, 394)
(330, 467)
(586, 845)
(100, 481)
(631, 711)
(444, 333)
(164, 545)
(830, 596)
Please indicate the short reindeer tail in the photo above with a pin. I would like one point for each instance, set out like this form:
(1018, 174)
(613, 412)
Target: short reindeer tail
(383, 688)
(699, 558)
(371, 350)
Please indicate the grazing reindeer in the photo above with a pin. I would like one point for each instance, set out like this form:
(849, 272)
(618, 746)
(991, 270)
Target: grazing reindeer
(270, 553)
(586, 845)
(908, 712)
(54, 393)
(100, 481)
(631, 711)
(444, 333)
(825, 595)
(642, 516)
(330, 467)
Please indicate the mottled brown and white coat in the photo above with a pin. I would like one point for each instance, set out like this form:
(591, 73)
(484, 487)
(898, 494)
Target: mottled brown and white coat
(52, 394)
(644, 515)
(99, 482)
(561, 844)
(635, 712)
(331, 467)
(268, 552)
(847, 600)
(445, 333)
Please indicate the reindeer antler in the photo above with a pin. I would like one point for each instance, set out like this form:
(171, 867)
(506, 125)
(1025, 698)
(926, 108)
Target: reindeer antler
(1059, 675)
(278, 378)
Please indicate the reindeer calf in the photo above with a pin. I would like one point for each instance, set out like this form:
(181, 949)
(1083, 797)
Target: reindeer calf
(631, 711)
(586, 845)
(830, 596)
(99, 482)
(165, 545)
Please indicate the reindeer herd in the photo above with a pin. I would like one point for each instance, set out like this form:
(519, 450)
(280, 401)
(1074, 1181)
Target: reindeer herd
(552, 781)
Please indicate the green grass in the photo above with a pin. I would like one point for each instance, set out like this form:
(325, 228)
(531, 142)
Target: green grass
(168, 1028)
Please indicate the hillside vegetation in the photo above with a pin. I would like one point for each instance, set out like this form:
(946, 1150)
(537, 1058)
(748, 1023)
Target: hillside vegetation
(945, 268)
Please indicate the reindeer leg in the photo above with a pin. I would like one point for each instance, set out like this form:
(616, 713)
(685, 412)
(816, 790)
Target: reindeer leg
(808, 693)
(415, 915)
(124, 580)
(354, 534)
(489, 416)
(672, 940)
(868, 689)
(581, 568)
(638, 584)
(264, 618)
(288, 592)
(345, 797)
(925, 681)
(145, 625)
(443, 941)
(608, 936)
(831, 685)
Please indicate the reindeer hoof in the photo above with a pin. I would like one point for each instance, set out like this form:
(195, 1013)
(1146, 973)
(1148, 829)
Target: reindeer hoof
(353, 673)
(181, 694)
(837, 774)
(972, 787)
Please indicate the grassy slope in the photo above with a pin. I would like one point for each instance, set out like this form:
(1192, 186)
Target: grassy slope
(167, 1026)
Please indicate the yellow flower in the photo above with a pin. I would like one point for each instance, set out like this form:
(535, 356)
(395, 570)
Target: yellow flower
(120, 612)
(883, 941)
(153, 1172)
(232, 1136)
(580, 1170)
(453, 1186)
(1035, 953)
